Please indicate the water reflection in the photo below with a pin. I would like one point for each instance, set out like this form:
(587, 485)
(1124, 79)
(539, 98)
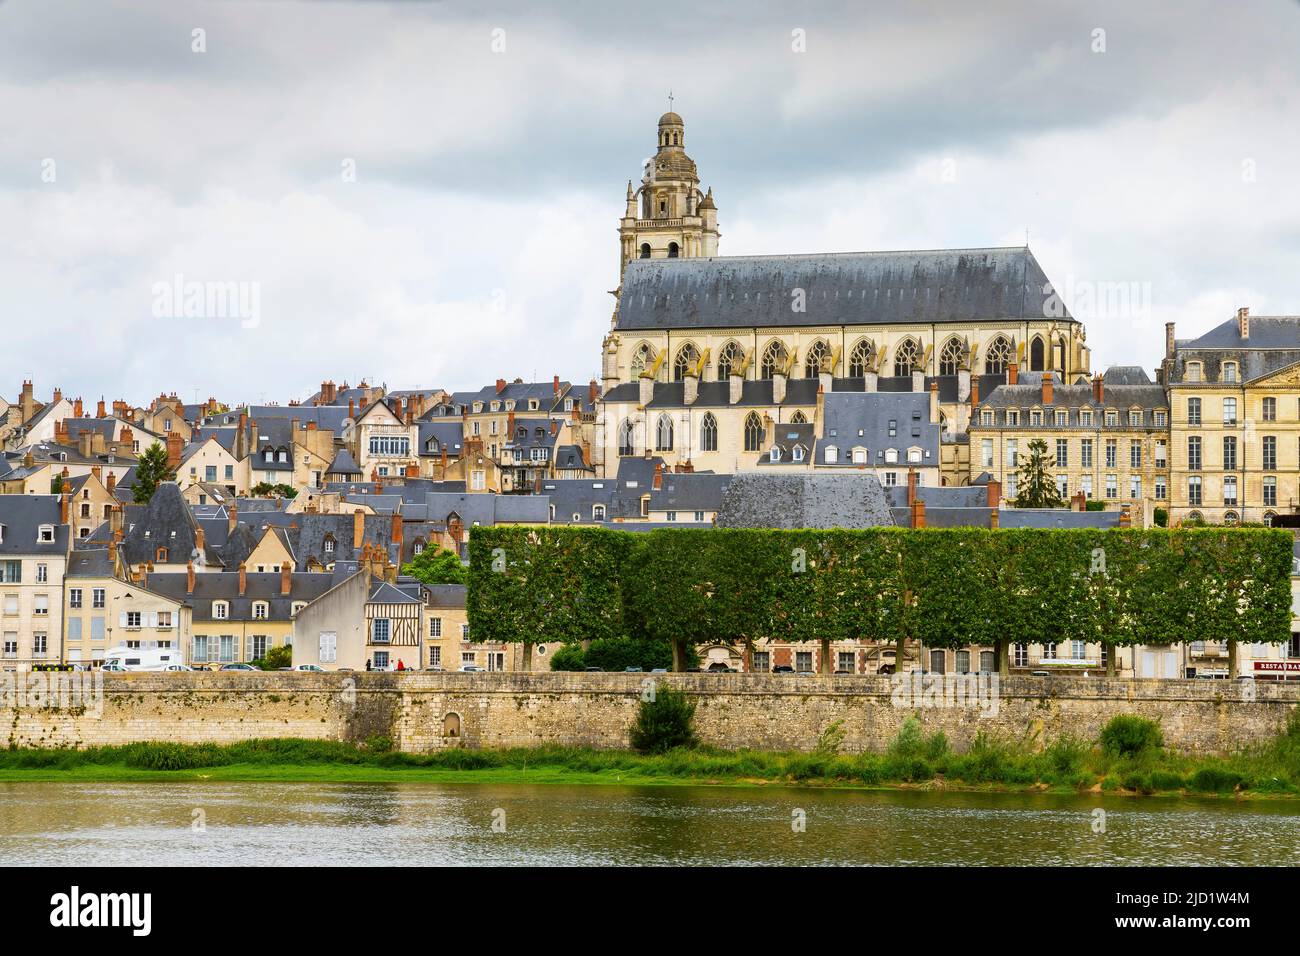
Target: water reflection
(357, 824)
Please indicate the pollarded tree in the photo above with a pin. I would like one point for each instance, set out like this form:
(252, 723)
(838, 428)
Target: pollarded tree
(1035, 486)
(436, 566)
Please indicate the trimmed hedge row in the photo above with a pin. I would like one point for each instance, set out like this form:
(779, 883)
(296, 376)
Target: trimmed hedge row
(943, 587)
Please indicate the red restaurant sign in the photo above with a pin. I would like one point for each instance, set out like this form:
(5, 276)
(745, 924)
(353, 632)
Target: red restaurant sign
(1277, 667)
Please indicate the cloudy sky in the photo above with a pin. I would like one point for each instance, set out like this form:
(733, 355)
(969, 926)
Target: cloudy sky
(426, 193)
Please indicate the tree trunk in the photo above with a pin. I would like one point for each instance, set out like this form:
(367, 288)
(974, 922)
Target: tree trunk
(1232, 660)
(900, 648)
(747, 656)
(528, 656)
(826, 655)
(1003, 659)
(679, 655)
(1112, 652)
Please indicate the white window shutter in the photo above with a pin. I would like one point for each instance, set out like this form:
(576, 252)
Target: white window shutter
(122, 619)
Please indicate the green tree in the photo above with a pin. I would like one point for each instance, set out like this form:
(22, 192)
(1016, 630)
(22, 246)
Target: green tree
(568, 658)
(264, 489)
(437, 567)
(664, 722)
(276, 657)
(1036, 488)
(151, 470)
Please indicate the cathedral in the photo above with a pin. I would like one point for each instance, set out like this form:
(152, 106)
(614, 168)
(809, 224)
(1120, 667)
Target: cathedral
(710, 356)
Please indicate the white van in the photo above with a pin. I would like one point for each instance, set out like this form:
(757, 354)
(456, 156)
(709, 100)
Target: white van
(147, 658)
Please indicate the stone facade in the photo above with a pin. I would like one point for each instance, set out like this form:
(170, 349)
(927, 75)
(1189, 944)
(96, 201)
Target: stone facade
(423, 712)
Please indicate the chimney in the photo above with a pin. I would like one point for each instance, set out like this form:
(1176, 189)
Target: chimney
(501, 385)
(78, 409)
(396, 408)
(112, 555)
(200, 541)
(83, 443)
(232, 518)
(397, 531)
(1080, 501)
(825, 381)
(189, 577)
(97, 443)
(64, 497)
(99, 412)
(510, 425)
(974, 395)
(1048, 383)
(593, 392)
(97, 472)
(28, 401)
(778, 388)
(736, 387)
(1098, 389)
(995, 519)
(286, 579)
(174, 447)
(352, 408)
(647, 389)
(58, 395)
(112, 483)
(659, 476)
(555, 427)
(1169, 340)
(1243, 322)
(995, 494)
(911, 487)
(358, 528)
(555, 385)
(1013, 373)
(934, 403)
(241, 437)
(444, 462)
(243, 579)
(918, 513)
(115, 521)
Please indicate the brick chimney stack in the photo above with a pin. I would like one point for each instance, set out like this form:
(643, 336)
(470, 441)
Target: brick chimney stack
(64, 497)
(555, 385)
(112, 483)
(99, 411)
(1169, 340)
(286, 579)
(593, 391)
(995, 494)
(501, 385)
(918, 513)
(1098, 389)
(243, 578)
(974, 394)
(1048, 384)
(659, 476)
(200, 541)
(397, 531)
(1013, 373)
(232, 518)
(78, 409)
(358, 527)
(189, 577)
(175, 444)
(911, 486)
(1243, 322)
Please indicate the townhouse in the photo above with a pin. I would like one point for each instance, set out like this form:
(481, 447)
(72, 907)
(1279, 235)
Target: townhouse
(34, 547)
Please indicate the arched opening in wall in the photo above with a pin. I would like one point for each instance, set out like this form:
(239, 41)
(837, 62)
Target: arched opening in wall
(626, 444)
(688, 356)
(709, 433)
(951, 357)
(798, 418)
(998, 356)
(642, 358)
(862, 359)
(938, 660)
(1060, 354)
(818, 359)
(753, 432)
(451, 724)
(1036, 355)
(672, 250)
(774, 357)
(645, 250)
(731, 356)
(907, 358)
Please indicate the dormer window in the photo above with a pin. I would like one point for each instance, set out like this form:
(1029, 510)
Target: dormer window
(45, 534)
(832, 454)
(533, 405)
(284, 456)
(1036, 417)
(161, 555)
(891, 456)
(1062, 417)
(220, 610)
(1229, 371)
(261, 610)
(775, 453)
(268, 456)
(797, 453)
(597, 512)
(1193, 371)
(1085, 417)
(478, 407)
(986, 417)
(329, 544)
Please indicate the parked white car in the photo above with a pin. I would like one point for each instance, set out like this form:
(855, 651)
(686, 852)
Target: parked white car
(315, 668)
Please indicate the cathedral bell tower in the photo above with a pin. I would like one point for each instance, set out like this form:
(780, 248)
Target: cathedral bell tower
(667, 216)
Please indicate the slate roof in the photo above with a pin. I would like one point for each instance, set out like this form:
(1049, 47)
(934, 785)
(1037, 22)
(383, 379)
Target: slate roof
(1274, 344)
(22, 517)
(1055, 518)
(690, 491)
(446, 595)
(787, 437)
(165, 522)
(435, 435)
(812, 500)
(343, 464)
(570, 458)
(853, 419)
(851, 288)
(222, 586)
(1027, 394)
(798, 391)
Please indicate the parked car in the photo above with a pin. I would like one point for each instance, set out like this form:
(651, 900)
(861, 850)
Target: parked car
(243, 668)
(315, 668)
(632, 670)
(436, 668)
(782, 669)
(116, 667)
(178, 667)
(471, 669)
(658, 670)
(595, 670)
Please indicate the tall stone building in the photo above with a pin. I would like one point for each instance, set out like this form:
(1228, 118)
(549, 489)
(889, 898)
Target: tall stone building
(707, 354)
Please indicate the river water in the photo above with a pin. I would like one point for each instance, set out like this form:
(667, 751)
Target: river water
(314, 824)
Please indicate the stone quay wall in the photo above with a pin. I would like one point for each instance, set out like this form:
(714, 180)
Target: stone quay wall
(424, 711)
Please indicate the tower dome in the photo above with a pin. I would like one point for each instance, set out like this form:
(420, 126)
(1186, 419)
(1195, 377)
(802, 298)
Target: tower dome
(670, 119)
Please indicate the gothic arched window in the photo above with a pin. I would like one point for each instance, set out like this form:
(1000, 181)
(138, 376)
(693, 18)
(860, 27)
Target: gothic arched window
(1036, 355)
(664, 433)
(731, 356)
(774, 357)
(862, 359)
(645, 250)
(951, 357)
(687, 357)
(798, 418)
(998, 356)
(907, 358)
(642, 358)
(819, 356)
(626, 446)
(709, 433)
(753, 432)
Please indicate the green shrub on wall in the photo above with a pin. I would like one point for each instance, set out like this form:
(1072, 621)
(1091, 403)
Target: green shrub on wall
(942, 587)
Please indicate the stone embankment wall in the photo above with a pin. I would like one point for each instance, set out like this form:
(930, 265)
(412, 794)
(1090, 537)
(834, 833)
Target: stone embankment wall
(422, 712)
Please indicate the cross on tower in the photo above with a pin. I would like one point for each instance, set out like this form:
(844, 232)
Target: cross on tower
(670, 101)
